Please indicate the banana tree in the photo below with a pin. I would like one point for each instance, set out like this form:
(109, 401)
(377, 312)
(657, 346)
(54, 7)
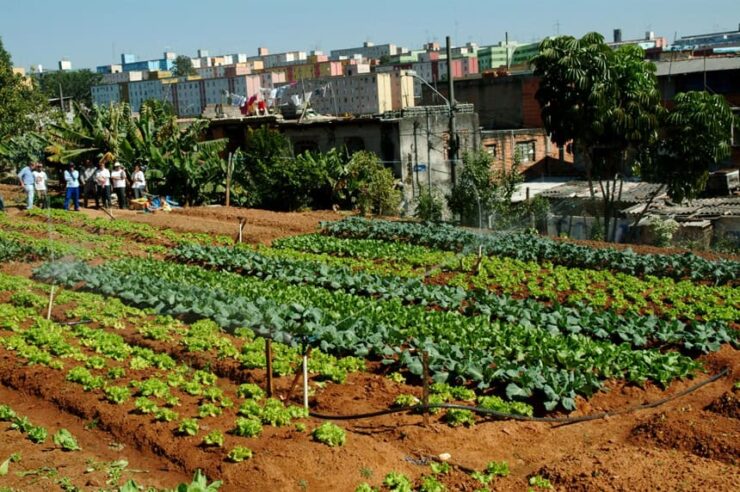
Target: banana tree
(91, 134)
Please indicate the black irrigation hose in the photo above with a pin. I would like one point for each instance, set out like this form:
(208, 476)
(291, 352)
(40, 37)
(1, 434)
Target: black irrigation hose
(502, 415)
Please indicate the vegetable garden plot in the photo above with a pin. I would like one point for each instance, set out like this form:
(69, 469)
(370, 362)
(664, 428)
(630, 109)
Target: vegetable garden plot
(633, 328)
(386, 317)
(527, 360)
(95, 365)
(601, 289)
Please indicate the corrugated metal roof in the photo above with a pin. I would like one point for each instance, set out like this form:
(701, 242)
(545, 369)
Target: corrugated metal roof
(632, 192)
(696, 209)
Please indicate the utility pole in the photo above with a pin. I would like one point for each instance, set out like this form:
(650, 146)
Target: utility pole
(453, 146)
(61, 99)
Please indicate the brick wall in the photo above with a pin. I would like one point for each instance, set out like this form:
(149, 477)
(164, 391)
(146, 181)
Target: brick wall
(530, 107)
(502, 145)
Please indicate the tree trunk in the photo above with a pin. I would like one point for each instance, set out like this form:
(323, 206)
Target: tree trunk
(645, 210)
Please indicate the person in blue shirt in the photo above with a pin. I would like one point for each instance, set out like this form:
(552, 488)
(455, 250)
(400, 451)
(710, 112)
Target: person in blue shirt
(72, 178)
(26, 179)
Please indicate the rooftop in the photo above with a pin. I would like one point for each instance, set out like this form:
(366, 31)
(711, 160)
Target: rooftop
(693, 65)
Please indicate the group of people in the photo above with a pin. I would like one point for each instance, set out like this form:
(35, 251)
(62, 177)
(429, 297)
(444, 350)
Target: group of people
(95, 181)
(33, 179)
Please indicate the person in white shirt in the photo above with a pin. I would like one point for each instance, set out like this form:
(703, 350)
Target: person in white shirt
(118, 178)
(72, 178)
(39, 185)
(102, 181)
(139, 182)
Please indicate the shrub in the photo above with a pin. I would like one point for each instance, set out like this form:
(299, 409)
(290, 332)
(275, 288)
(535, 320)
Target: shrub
(429, 205)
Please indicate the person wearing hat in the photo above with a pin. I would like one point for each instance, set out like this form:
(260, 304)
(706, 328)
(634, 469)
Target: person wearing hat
(72, 178)
(118, 178)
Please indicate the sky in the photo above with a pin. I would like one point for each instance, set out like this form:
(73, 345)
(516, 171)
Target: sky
(96, 32)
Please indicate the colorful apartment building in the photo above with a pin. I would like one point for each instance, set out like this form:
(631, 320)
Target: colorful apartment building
(362, 94)
(368, 50)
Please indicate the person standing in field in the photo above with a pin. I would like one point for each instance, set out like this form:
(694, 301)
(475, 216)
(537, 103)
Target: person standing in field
(139, 182)
(118, 177)
(87, 180)
(39, 184)
(102, 181)
(26, 180)
(72, 179)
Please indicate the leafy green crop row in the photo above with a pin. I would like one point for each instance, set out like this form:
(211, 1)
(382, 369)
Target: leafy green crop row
(200, 337)
(664, 297)
(525, 358)
(417, 256)
(103, 362)
(535, 248)
(639, 331)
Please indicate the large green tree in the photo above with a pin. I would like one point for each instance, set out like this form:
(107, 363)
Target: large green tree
(606, 102)
(695, 136)
(21, 104)
(183, 66)
(76, 84)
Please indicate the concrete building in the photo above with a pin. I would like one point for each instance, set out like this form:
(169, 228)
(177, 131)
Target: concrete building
(190, 98)
(278, 59)
(704, 41)
(65, 65)
(368, 50)
(103, 95)
(129, 62)
(506, 55)
(649, 42)
(413, 142)
(161, 90)
(362, 94)
(123, 77)
(502, 103)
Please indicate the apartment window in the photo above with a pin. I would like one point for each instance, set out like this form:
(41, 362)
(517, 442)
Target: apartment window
(525, 150)
(491, 149)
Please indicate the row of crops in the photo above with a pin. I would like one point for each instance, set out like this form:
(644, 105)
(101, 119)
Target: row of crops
(530, 247)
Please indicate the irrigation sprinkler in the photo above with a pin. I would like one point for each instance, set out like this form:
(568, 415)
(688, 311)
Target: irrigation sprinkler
(268, 369)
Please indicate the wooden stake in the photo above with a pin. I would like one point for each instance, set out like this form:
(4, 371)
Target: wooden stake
(305, 381)
(51, 301)
(240, 235)
(479, 260)
(268, 357)
(228, 181)
(425, 385)
(297, 377)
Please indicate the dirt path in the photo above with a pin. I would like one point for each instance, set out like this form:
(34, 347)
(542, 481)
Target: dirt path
(261, 226)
